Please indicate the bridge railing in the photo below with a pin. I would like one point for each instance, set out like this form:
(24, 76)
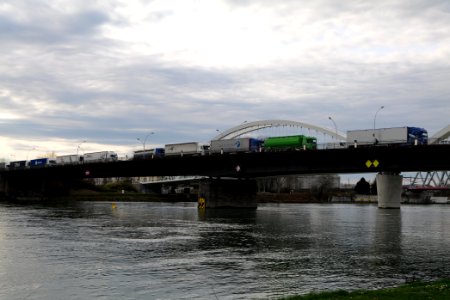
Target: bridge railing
(337, 145)
(166, 179)
(438, 141)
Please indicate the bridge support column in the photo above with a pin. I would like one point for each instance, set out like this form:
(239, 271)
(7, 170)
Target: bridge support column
(223, 193)
(389, 189)
(3, 187)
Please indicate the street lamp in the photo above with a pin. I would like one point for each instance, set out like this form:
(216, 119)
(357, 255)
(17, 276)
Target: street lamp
(335, 126)
(145, 140)
(78, 147)
(375, 117)
(34, 148)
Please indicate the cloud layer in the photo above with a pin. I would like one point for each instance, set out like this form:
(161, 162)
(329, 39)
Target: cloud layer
(108, 73)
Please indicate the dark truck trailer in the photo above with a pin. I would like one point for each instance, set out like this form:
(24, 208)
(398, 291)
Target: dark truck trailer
(148, 153)
(41, 162)
(20, 164)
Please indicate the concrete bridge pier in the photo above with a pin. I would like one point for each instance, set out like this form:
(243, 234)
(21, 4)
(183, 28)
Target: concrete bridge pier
(389, 189)
(227, 193)
(3, 187)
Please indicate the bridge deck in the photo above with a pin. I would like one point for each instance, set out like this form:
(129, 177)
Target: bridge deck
(360, 160)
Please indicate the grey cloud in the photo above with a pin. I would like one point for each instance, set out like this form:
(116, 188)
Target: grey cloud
(43, 25)
(89, 87)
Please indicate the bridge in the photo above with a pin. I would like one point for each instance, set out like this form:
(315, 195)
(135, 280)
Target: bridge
(388, 162)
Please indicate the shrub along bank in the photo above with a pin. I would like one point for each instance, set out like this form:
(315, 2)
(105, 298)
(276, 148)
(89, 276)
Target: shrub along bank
(438, 290)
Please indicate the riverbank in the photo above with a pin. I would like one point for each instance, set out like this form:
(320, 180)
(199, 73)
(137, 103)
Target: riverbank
(89, 195)
(411, 291)
(305, 197)
(343, 196)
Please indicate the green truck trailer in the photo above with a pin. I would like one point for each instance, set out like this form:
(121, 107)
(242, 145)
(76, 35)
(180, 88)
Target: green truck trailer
(292, 142)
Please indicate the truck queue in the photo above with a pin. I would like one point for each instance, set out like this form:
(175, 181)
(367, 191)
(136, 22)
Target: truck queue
(396, 136)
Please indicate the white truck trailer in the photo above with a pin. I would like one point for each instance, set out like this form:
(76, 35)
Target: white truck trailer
(68, 159)
(388, 136)
(102, 156)
(190, 148)
(235, 145)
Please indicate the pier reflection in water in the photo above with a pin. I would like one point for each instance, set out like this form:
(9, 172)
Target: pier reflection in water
(81, 250)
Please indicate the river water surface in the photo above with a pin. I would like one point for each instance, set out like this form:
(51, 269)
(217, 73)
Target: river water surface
(100, 250)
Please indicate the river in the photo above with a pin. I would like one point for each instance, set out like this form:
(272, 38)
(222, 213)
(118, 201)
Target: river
(149, 250)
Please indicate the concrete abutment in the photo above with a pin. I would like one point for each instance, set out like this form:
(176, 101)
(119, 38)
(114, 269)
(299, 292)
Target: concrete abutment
(18, 188)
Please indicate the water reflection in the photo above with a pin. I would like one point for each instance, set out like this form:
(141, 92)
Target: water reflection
(80, 250)
(387, 248)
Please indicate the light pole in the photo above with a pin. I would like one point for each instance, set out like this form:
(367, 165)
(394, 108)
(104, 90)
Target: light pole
(145, 140)
(34, 148)
(375, 117)
(78, 147)
(335, 126)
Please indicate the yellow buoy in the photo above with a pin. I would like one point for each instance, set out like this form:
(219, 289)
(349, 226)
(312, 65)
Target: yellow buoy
(201, 203)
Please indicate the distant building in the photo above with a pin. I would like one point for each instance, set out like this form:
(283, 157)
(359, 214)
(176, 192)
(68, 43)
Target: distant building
(297, 183)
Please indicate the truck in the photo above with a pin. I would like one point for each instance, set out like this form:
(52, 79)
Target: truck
(148, 153)
(41, 162)
(387, 136)
(235, 145)
(189, 148)
(102, 156)
(69, 159)
(20, 164)
(291, 142)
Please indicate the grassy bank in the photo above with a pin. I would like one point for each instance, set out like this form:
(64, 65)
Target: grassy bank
(411, 291)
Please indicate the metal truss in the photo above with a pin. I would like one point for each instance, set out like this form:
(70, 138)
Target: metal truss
(432, 179)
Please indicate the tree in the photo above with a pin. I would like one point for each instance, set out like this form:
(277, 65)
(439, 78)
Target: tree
(322, 189)
(362, 187)
(373, 188)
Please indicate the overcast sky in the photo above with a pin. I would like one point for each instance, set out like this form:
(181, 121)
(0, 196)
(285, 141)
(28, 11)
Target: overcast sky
(109, 72)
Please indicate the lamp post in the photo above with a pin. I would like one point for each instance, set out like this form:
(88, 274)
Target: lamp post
(375, 117)
(335, 126)
(34, 148)
(145, 140)
(78, 147)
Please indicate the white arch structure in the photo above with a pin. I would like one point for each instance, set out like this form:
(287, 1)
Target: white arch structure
(441, 135)
(258, 125)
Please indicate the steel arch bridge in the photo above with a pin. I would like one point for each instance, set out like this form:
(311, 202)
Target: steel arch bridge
(434, 178)
(258, 125)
